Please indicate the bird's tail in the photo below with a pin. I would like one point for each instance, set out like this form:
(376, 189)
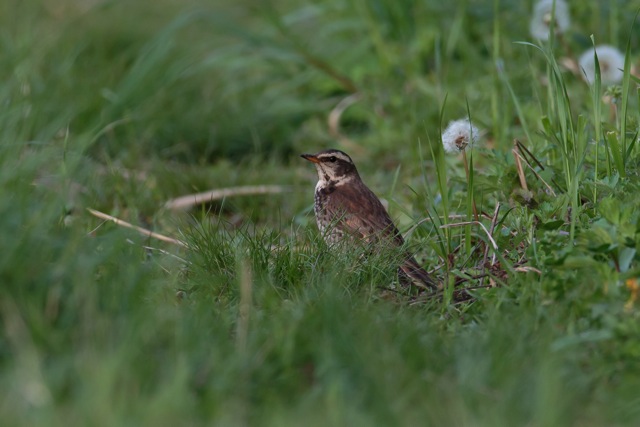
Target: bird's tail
(416, 274)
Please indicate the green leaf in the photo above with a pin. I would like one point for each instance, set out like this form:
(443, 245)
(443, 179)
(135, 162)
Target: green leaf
(625, 258)
(551, 225)
(598, 239)
(579, 261)
(582, 338)
(546, 124)
(610, 210)
(614, 149)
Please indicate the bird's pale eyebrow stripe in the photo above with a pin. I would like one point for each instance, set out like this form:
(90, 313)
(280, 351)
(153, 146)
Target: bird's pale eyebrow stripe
(336, 155)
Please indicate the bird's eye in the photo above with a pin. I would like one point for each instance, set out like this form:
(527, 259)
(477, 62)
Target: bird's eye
(332, 159)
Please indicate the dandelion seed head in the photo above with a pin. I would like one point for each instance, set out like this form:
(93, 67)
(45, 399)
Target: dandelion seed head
(611, 64)
(459, 136)
(542, 17)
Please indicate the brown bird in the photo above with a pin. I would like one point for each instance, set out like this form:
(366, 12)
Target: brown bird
(346, 208)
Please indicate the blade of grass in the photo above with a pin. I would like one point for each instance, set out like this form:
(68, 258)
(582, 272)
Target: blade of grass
(596, 99)
(514, 98)
(625, 97)
(615, 150)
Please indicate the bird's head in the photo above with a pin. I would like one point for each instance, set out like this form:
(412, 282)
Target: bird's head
(333, 165)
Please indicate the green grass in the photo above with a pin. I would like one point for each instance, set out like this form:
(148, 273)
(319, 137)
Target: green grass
(120, 106)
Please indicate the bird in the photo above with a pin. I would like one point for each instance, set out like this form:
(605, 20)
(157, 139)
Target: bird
(345, 208)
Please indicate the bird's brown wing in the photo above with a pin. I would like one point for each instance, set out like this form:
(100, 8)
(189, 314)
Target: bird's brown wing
(358, 212)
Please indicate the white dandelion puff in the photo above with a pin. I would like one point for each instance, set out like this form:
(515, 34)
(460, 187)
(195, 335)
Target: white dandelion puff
(611, 64)
(542, 16)
(459, 136)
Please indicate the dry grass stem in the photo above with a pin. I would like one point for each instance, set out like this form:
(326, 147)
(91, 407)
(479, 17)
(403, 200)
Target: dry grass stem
(518, 158)
(526, 269)
(333, 122)
(429, 219)
(462, 224)
(334, 116)
(520, 169)
(140, 230)
(188, 201)
(492, 227)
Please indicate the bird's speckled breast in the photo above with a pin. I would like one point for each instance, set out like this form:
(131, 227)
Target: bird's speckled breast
(324, 219)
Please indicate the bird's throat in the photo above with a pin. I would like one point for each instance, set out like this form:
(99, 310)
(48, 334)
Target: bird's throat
(325, 182)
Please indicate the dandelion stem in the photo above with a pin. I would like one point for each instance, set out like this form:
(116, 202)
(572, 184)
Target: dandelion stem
(469, 185)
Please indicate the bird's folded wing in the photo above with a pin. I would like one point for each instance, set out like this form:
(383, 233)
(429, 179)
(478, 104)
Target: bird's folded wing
(358, 212)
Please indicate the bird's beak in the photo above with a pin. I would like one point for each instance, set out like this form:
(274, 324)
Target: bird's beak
(310, 157)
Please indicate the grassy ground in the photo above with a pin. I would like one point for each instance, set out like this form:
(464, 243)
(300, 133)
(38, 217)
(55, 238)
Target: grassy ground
(120, 106)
